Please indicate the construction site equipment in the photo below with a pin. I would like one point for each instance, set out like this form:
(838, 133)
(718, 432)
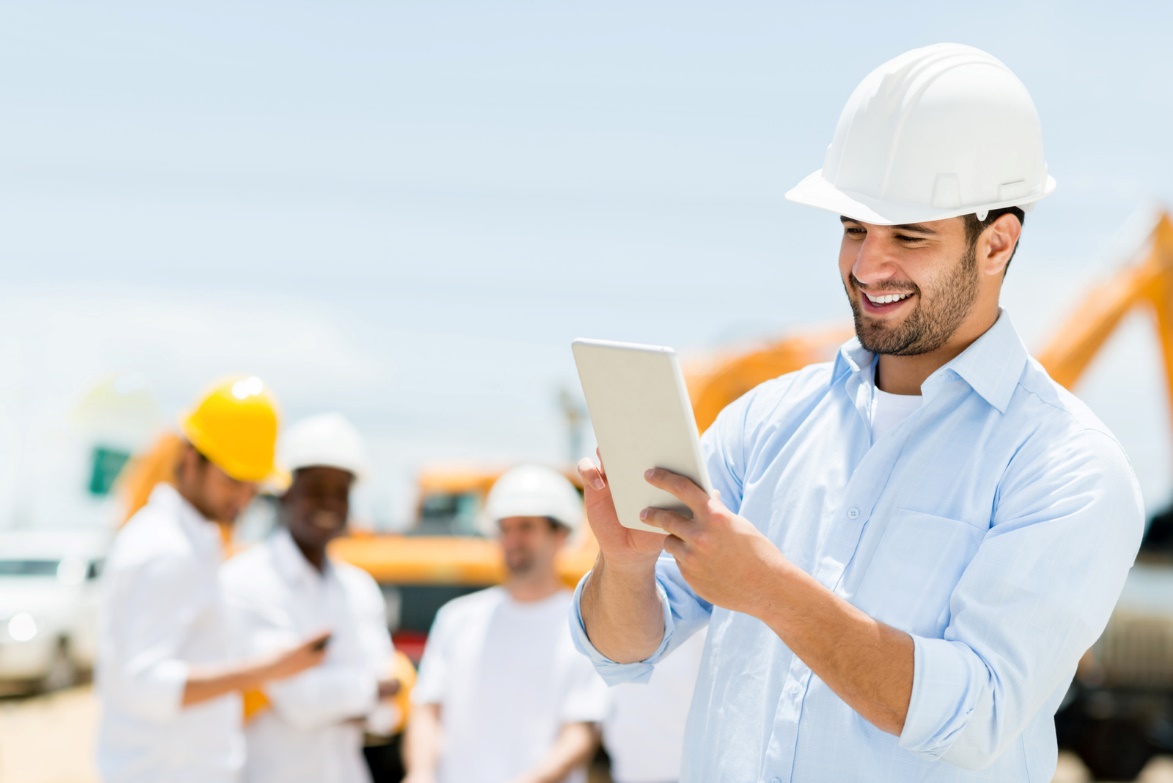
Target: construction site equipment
(937, 132)
(235, 426)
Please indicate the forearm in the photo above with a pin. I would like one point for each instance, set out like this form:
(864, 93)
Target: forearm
(622, 612)
(421, 742)
(867, 663)
(325, 695)
(205, 683)
(574, 746)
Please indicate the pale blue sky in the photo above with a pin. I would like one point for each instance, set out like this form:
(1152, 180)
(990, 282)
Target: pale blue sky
(406, 211)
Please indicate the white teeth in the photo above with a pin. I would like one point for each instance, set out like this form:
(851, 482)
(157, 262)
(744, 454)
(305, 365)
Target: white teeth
(886, 299)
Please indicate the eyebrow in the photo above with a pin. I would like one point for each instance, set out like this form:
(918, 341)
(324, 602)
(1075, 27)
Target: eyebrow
(915, 228)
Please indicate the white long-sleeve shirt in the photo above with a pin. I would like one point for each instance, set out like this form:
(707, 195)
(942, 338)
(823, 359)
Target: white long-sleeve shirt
(313, 729)
(162, 612)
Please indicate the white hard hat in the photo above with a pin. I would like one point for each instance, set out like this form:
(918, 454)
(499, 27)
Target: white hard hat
(937, 132)
(327, 440)
(532, 491)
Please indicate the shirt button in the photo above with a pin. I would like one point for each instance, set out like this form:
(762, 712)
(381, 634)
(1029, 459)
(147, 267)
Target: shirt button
(853, 513)
(775, 780)
(795, 690)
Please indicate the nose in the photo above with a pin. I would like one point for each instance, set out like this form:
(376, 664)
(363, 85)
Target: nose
(873, 263)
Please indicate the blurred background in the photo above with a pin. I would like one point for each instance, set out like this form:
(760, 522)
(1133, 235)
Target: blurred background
(405, 211)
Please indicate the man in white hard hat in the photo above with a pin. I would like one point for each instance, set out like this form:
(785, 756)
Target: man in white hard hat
(502, 696)
(908, 549)
(169, 673)
(310, 727)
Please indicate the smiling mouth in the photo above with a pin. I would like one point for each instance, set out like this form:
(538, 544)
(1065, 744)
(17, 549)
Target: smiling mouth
(326, 521)
(887, 298)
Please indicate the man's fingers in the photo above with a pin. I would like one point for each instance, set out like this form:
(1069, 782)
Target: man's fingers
(675, 546)
(669, 521)
(681, 487)
(592, 477)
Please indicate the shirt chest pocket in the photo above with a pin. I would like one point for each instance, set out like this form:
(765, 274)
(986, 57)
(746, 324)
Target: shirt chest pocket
(913, 570)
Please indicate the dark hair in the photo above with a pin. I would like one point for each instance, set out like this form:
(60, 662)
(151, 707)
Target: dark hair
(975, 227)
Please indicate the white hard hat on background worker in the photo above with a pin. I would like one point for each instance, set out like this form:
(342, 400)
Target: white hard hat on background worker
(532, 491)
(938, 132)
(324, 440)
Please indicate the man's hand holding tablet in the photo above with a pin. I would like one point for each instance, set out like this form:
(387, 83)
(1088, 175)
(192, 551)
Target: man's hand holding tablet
(655, 484)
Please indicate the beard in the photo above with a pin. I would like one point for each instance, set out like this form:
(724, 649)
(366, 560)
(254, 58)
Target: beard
(931, 323)
(519, 561)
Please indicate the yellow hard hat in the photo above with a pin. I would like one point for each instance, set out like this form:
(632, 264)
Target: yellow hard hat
(235, 426)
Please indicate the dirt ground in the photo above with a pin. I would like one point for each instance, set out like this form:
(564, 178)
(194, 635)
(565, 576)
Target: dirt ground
(50, 739)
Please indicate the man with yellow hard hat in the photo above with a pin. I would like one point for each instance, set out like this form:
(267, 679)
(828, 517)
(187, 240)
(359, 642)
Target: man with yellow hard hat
(167, 677)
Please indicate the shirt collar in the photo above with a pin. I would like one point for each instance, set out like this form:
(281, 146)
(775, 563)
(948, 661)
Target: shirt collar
(991, 366)
(291, 562)
(851, 359)
(203, 533)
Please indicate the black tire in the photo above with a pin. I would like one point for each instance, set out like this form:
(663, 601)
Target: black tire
(1114, 749)
(62, 672)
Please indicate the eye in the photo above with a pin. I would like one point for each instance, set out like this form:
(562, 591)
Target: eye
(906, 239)
(854, 231)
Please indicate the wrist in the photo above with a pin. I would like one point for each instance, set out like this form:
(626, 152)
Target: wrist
(778, 592)
(627, 569)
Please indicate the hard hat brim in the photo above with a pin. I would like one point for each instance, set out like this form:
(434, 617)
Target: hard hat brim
(816, 191)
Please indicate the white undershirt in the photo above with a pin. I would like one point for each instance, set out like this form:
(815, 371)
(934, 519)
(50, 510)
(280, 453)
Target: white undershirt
(888, 410)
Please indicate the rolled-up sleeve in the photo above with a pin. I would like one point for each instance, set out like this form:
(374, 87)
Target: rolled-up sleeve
(1038, 593)
(684, 613)
(154, 608)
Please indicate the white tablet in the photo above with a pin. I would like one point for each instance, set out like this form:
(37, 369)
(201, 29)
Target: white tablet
(643, 419)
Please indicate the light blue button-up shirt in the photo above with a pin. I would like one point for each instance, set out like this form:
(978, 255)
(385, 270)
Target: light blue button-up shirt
(995, 524)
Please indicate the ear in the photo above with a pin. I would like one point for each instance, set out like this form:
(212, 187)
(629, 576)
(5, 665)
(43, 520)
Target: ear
(996, 245)
(187, 462)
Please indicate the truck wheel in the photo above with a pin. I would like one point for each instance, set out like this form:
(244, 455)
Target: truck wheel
(62, 671)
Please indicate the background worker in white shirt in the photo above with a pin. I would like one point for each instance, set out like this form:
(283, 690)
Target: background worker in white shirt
(502, 696)
(286, 587)
(168, 675)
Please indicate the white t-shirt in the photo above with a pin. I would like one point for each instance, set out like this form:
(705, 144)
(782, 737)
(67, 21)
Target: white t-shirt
(644, 729)
(888, 410)
(507, 678)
